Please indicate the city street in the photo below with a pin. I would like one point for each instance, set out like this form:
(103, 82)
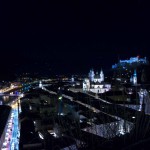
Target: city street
(12, 134)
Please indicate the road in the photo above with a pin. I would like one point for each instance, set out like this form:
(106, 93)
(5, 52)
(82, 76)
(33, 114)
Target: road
(12, 135)
(15, 131)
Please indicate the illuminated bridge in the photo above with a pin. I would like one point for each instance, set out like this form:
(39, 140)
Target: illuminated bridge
(5, 94)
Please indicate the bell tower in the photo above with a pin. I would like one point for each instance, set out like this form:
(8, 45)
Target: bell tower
(101, 76)
(135, 77)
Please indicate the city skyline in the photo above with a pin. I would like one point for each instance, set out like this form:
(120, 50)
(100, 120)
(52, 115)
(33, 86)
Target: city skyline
(74, 74)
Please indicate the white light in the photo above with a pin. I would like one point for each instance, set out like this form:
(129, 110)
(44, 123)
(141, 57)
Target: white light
(133, 117)
(81, 121)
(22, 95)
(40, 135)
(54, 134)
(61, 114)
(60, 98)
(122, 132)
(4, 143)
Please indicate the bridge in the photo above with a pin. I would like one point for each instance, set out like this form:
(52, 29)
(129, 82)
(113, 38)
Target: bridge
(5, 94)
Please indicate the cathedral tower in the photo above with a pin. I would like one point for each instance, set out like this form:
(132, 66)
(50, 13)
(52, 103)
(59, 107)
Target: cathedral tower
(101, 76)
(91, 75)
(135, 77)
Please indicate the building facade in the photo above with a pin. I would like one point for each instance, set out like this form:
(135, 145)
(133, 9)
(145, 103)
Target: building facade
(95, 82)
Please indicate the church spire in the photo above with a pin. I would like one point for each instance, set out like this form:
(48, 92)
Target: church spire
(101, 75)
(135, 77)
(91, 75)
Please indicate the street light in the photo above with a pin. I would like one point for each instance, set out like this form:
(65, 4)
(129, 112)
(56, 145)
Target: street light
(60, 97)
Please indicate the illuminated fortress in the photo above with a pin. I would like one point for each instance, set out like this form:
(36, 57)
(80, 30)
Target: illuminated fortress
(131, 61)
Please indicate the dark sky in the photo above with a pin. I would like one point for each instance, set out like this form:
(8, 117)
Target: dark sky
(72, 36)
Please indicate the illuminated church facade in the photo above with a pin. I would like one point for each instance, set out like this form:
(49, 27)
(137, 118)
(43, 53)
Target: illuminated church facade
(95, 82)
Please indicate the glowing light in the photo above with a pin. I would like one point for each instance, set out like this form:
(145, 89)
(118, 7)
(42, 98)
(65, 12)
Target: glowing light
(54, 134)
(130, 61)
(60, 98)
(41, 136)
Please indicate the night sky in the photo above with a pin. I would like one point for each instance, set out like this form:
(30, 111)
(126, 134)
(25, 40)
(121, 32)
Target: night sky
(72, 36)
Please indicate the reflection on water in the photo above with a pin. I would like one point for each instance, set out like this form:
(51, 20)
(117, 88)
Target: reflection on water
(110, 130)
(6, 99)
